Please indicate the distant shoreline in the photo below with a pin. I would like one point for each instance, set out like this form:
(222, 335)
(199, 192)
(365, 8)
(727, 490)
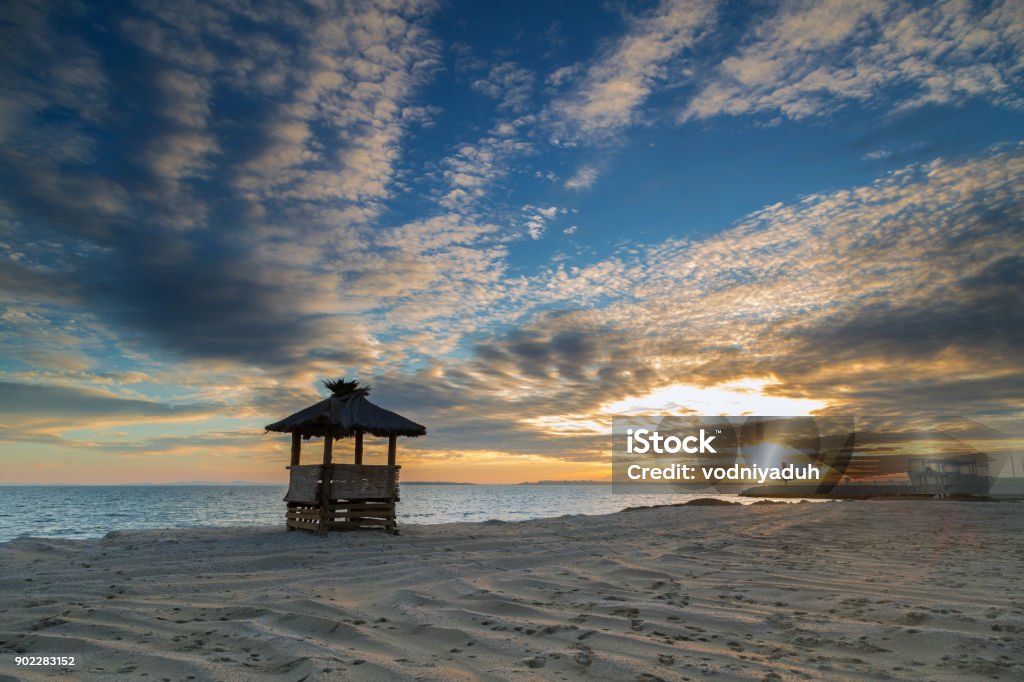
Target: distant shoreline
(438, 483)
(282, 484)
(584, 482)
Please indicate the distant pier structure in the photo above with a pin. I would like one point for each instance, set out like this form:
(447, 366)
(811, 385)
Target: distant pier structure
(942, 476)
(329, 496)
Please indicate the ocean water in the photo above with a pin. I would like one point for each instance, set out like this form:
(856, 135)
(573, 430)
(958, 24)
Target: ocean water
(94, 511)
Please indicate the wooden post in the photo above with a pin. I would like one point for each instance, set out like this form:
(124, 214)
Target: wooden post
(296, 447)
(328, 448)
(392, 447)
(358, 446)
(325, 483)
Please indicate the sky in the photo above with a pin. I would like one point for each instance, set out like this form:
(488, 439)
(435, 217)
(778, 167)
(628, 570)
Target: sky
(511, 219)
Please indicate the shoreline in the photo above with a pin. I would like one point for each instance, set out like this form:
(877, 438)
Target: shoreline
(744, 501)
(803, 591)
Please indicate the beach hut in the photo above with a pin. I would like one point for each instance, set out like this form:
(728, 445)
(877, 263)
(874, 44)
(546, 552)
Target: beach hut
(331, 496)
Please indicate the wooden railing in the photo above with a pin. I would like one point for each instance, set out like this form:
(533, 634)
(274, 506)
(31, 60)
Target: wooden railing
(356, 496)
(347, 482)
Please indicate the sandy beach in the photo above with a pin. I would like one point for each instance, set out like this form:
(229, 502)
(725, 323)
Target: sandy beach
(841, 590)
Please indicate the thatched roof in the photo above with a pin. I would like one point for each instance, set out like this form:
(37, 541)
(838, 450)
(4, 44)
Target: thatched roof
(345, 412)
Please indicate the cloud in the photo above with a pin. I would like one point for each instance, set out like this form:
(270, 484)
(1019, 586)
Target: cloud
(812, 58)
(210, 234)
(584, 178)
(538, 218)
(54, 92)
(337, 137)
(614, 87)
(508, 83)
(40, 413)
(433, 234)
(473, 167)
(73, 402)
(887, 297)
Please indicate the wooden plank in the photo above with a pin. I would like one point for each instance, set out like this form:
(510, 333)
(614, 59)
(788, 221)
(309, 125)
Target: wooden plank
(368, 510)
(303, 484)
(392, 448)
(359, 504)
(296, 447)
(350, 526)
(302, 525)
(363, 481)
(362, 510)
(361, 514)
(359, 447)
(366, 515)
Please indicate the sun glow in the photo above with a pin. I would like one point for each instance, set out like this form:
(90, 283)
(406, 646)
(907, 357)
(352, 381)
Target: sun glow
(743, 397)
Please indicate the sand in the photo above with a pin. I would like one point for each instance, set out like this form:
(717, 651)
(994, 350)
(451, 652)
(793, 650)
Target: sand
(839, 590)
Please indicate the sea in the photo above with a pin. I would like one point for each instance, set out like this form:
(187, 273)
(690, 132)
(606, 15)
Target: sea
(83, 512)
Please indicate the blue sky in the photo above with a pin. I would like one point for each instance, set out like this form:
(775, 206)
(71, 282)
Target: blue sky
(510, 218)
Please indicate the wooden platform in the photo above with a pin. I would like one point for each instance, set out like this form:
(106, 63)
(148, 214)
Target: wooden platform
(356, 496)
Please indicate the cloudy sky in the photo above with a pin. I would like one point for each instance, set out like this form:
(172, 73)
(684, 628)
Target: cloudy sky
(512, 219)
